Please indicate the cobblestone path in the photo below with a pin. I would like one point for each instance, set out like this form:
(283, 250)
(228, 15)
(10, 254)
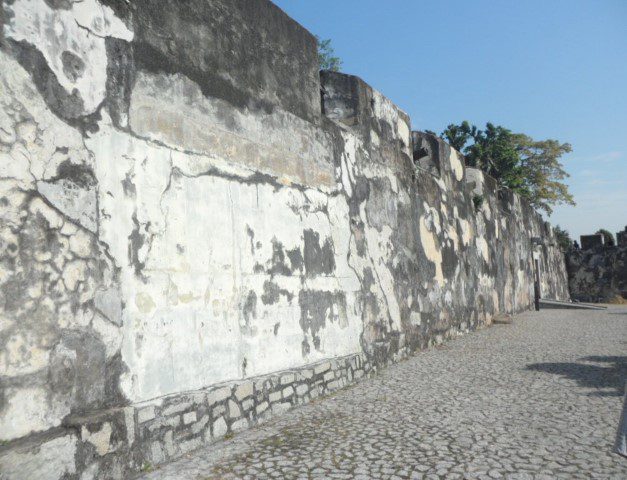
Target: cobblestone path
(537, 399)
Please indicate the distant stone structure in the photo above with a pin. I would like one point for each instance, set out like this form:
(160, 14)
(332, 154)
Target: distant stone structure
(621, 238)
(589, 242)
(598, 272)
(193, 239)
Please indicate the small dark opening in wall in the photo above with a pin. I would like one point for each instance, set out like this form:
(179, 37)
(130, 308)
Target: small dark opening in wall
(426, 152)
(505, 198)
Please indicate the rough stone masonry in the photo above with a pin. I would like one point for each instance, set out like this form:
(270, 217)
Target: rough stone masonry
(199, 231)
(598, 272)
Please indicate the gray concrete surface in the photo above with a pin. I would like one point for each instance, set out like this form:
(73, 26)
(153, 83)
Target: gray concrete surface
(538, 399)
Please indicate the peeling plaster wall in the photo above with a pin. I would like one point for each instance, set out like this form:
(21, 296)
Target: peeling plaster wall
(438, 264)
(178, 219)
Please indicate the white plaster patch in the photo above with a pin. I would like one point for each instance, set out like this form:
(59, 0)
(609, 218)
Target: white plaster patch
(475, 176)
(404, 132)
(380, 252)
(448, 298)
(51, 460)
(348, 162)
(495, 300)
(386, 111)
(456, 165)
(433, 253)
(432, 218)
(55, 31)
(467, 231)
(109, 333)
(29, 410)
(73, 273)
(485, 207)
(80, 241)
(22, 355)
(482, 246)
(452, 234)
(100, 439)
(80, 204)
(41, 143)
(100, 19)
(374, 138)
(52, 217)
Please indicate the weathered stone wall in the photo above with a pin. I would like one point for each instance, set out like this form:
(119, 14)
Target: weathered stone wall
(192, 239)
(598, 274)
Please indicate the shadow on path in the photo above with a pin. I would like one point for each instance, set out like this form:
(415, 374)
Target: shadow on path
(610, 375)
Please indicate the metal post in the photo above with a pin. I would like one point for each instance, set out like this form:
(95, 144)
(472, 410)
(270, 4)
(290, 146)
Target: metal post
(620, 446)
(536, 243)
(536, 284)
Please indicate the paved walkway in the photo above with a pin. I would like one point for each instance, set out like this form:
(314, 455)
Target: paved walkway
(540, 398)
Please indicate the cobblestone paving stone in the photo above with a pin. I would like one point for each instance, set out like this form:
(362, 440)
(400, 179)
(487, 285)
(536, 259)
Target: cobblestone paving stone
(536, 399)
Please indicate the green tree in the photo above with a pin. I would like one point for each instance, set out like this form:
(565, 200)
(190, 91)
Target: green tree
(608, 238)
(516, 161)
(542, 172)
(458, 135)
(494, 151)
(563, 239)
(326, 56)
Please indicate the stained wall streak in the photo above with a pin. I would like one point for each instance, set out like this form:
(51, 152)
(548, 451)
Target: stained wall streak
(200, 231)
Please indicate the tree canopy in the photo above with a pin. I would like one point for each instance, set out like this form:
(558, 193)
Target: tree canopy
(608, 237)
(326, 56)
(516, 161)
(563, 239)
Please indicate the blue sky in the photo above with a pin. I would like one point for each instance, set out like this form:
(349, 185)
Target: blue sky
(550, 69)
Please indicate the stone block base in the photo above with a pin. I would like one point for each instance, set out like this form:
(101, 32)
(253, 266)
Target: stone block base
(115, 443)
